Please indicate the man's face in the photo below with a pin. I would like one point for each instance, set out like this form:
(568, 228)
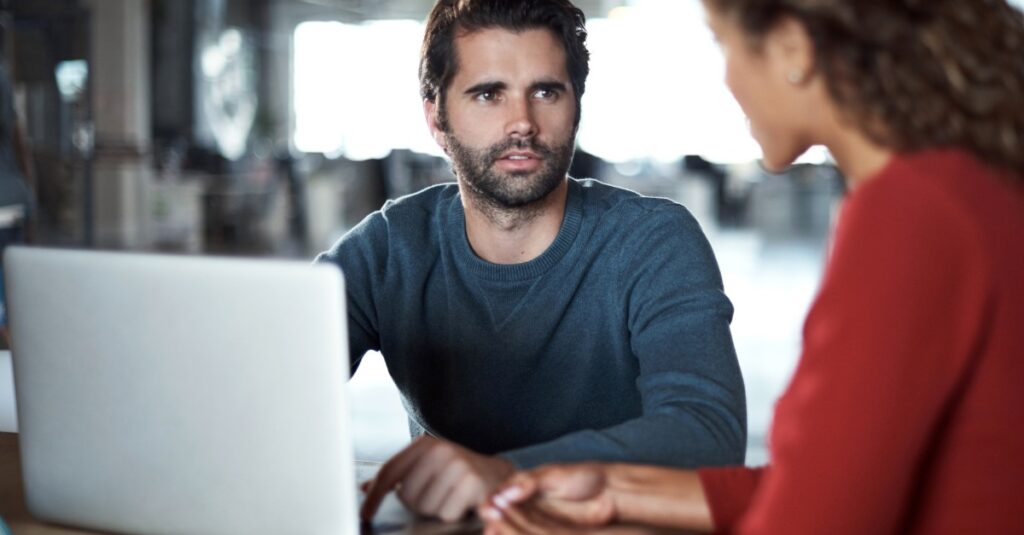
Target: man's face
(507, 122)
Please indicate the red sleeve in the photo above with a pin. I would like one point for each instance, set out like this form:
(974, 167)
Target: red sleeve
(728, 492)
(885, 346)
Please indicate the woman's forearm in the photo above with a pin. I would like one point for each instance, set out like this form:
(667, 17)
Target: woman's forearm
(659, 496)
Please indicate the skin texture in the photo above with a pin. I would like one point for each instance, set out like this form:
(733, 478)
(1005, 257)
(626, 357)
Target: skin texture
(436, 478)
(507, 123)
(789, 109)
(584, 496)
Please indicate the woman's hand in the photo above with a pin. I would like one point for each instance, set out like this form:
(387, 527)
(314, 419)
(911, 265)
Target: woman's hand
(574, 495)
(570, 498)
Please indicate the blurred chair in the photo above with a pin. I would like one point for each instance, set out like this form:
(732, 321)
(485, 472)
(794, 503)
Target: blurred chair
(15, 198)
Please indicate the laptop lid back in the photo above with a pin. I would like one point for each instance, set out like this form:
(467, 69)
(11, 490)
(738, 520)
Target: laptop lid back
(169, 394)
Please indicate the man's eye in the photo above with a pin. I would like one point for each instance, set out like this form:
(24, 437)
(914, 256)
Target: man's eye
(486, 96)
(546, 94)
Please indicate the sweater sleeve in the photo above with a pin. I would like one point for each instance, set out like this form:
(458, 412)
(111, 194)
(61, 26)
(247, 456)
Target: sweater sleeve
(886, 346)
(693, 404)
(362, 256)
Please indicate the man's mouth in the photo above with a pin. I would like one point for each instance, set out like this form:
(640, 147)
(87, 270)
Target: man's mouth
(519, 155)
(522, 161)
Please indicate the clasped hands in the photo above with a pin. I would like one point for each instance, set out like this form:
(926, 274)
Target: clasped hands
(551, 499)
(437, 478)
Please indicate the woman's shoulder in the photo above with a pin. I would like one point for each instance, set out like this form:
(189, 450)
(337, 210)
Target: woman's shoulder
(940, 203)
(947, 184)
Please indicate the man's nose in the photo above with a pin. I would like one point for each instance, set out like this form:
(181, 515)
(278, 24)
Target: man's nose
(520, 121)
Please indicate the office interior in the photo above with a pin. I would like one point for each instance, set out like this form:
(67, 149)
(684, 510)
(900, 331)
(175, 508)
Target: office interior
(267, 128)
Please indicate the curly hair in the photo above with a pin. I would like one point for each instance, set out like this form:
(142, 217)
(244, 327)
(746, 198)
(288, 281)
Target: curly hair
(913, 74)
(438, 61)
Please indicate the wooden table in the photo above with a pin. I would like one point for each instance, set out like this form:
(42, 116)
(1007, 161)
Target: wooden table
(12, 499)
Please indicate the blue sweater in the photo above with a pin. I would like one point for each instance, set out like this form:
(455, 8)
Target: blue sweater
(612, 345)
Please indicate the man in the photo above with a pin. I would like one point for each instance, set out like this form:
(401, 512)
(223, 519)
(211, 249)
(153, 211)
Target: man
(527, 317)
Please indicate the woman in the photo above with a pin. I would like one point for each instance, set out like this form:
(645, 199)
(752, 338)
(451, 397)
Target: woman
(903, 414)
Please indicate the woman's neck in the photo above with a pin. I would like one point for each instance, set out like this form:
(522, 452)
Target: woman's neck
(859, 158)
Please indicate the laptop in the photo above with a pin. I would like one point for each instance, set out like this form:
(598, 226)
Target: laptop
(172, 394)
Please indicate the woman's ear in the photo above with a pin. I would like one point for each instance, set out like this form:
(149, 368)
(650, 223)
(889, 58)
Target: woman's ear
(791, 51)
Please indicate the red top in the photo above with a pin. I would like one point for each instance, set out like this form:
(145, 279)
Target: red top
(905, 413)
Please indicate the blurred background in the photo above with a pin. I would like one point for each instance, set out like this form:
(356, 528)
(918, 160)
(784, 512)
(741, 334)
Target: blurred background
(270, 127)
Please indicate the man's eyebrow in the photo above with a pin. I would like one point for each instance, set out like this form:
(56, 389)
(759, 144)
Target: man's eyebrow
(549, 85)
(485, 87)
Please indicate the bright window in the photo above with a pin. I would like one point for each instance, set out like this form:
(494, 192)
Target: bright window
(655, 91)
(356, 91)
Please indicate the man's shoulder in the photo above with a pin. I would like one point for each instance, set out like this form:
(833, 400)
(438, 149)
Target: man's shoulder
(627, 206)
(425, 202)
(404, 219)
(414, 213)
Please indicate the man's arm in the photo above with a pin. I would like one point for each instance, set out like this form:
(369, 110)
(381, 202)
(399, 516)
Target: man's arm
(694, 408)
(362, 256)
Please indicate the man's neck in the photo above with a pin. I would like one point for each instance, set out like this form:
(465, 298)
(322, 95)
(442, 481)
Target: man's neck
(513, 235)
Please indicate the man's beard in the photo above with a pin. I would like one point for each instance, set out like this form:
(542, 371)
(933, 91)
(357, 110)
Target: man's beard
(515, 189)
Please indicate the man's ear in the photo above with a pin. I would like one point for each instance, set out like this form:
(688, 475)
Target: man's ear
(430, 113)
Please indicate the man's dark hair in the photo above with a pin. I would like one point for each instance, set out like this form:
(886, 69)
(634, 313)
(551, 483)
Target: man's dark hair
(438, 63)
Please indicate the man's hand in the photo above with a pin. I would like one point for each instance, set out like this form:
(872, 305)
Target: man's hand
(576, 495)
(437, 478)
(526, 519)
(586, 496)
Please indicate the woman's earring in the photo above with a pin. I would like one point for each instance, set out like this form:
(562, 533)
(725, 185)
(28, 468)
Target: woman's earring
(795, 76)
